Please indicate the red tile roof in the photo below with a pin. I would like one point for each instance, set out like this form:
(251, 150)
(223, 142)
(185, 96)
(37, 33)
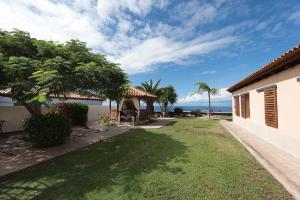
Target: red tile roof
(7, 93)
(73, 95)
(131, 92)
(139, 93)
(285, 61)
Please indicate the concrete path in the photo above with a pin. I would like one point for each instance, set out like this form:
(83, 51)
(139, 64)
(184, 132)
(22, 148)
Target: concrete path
(18, 154)
(284, 167)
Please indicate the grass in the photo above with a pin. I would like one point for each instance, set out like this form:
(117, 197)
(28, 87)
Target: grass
(188, 159)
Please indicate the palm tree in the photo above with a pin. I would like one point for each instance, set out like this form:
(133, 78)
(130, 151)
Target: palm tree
(202, 88)
(166, 97)
(152, 88)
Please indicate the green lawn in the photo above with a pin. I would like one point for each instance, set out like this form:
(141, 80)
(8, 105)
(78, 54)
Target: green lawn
(188, 159)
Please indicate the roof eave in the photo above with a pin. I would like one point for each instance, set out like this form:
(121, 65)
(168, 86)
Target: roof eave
(284, 64)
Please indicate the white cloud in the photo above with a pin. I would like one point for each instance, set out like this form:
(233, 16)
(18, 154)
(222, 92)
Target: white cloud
(193, 13)
(114, 9)
(208, 72)
(50, 21)
(192, 98)
(260, 26)
(163, 50)
(118, 28)
(295, 17)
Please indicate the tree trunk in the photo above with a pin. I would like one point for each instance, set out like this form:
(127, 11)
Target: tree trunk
(118, 113)
(109, 108)
(166, 108)
(150, 107)
(161, 109)
(34, 108)
(208, 105)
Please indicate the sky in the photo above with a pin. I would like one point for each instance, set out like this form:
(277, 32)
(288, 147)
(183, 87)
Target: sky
(180, 42)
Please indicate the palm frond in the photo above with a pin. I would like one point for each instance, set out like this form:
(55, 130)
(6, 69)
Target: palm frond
(156, 85)
(203, 86)
(214, 91)
(140, 88)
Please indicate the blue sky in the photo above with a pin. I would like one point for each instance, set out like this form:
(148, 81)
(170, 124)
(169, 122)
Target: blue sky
(180, 42)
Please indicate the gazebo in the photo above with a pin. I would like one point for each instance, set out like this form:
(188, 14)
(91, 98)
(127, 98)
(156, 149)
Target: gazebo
(130, 106)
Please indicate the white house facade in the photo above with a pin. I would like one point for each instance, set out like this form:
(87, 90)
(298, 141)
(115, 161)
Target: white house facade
(267, 103)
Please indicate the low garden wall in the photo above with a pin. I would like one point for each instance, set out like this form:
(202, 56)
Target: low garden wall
(14, 116)
(189, 114)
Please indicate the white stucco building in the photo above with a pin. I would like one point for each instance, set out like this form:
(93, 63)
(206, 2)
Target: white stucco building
(267, 102)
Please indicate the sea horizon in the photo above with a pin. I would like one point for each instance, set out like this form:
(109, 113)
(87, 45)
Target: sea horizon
(187, 108)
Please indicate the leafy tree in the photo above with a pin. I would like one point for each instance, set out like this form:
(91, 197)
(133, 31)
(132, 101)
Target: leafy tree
(17, 43)
(2, 73)
(151, 88)
(17, 71)
(202, 88)
(35, 69)
(115, 83)
(167, 97)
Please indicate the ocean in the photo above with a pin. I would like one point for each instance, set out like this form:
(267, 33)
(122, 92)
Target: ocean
(203, 108)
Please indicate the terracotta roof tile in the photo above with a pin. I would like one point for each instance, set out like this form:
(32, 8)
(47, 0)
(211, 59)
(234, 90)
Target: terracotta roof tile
(139, 93)
(7, 93)
(131, 92)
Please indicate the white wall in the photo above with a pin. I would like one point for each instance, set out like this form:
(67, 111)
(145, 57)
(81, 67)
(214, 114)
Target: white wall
(287, 135)
(96, 112)
(14, 116)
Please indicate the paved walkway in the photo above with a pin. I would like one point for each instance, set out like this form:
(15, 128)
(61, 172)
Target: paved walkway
(284, 167)
(17, 154)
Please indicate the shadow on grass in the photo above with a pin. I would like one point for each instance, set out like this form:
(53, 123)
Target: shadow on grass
(171, 123)
(121, 162)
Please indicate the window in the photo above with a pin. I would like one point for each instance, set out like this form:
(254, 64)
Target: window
(271, 114)
(245, 105)
(237, 105)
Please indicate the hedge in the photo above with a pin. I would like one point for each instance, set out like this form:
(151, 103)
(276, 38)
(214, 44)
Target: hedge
(47, 130)
(76, 112)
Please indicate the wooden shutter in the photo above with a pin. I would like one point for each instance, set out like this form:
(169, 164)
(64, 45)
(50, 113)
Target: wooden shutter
(271, 113)
(247, 105)
(237, 105)
(243, 102)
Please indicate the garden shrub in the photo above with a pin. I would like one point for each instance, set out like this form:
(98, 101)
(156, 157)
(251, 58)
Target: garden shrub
(196, 113)
(104, 120)
(76, 112)
(47, 130)
(178, 111)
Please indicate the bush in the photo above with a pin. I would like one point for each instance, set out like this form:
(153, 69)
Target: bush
(47, 130)
(106, 121)
(76, 112)
(178, 111)
(196, 113)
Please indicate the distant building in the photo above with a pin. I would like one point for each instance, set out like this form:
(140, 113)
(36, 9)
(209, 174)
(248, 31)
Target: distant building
(267, 102)
(14, 114)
